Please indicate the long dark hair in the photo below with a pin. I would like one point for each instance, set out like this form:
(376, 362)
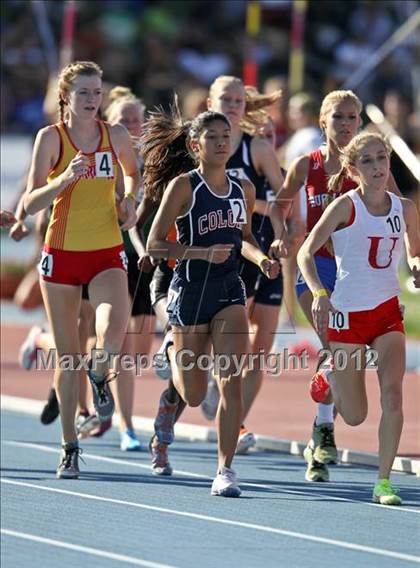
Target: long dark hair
(165, 147)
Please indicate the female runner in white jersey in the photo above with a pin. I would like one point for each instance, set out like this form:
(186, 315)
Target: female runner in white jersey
(367, 226)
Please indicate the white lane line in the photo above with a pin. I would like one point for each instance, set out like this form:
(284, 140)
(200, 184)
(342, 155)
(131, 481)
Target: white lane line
(86, 549)
(305, 493)
(219, 520)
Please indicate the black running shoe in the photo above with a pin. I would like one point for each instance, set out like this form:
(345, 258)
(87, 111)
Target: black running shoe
(51, 409)
(68, 467)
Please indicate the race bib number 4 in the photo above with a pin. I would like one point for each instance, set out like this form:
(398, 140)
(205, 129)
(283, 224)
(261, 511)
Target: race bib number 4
(45, 266)
(238, 210)
(103, 165)
(338, 321)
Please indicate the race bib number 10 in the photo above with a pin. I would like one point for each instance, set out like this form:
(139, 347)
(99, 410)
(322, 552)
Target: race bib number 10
(339, 321)
(103, 165)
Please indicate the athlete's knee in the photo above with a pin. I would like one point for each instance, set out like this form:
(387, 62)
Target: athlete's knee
(193, 398)
(231, 389)
(355, 417)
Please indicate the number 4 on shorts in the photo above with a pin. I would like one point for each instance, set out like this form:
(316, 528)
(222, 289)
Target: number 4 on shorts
(45, 266)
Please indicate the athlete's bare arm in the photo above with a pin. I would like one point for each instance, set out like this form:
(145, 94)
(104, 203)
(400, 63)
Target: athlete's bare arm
(121, 142)
(176, 201)
(412, 238)
(336, 215)
(250, 248)
(266, 164)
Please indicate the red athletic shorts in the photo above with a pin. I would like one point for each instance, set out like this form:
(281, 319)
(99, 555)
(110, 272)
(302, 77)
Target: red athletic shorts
(364, 327)
(79, 267)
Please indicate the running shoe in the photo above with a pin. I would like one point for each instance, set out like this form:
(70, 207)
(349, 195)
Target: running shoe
(86, 424)
(325, 450)
(103, 401)
(246, 441)
(385, 493)
(68, 467)
(159, 454)
(165, 420)
(316, 471)
(210, 404)
(27, 351)
(224, 484)
(161, 363)
(319, 387)
(51, 409)
(129, 441)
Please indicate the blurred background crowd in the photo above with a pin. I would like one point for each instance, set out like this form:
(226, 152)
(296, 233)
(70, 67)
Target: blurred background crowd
(157, 47)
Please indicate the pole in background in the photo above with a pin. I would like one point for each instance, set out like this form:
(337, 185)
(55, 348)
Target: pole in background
(253, 24)
(297, 59)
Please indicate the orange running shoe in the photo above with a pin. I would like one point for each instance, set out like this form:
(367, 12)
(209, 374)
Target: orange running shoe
(319, 387)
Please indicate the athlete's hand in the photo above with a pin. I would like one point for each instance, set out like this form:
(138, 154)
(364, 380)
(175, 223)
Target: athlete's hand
(145, 263)
(77, 168)
(6, 218)
(279, 249)
(127, 213)
(18, 231)
(217, 254)
(270, 268)
(416, 275)
(321, 308)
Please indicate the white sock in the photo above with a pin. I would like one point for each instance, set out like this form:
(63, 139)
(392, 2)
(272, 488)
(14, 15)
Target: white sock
(325, 414)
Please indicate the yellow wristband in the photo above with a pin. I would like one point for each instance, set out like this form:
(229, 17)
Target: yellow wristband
(319, 293)
(261, 261)
(130, 195)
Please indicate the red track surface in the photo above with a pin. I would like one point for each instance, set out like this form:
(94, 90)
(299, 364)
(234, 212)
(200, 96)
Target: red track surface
(283, 408)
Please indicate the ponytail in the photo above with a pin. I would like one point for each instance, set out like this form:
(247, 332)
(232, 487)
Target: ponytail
(335, 182)
(256, 117)
(164, 150)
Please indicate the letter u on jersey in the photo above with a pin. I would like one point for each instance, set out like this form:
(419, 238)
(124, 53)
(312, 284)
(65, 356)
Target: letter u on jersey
(373, 251)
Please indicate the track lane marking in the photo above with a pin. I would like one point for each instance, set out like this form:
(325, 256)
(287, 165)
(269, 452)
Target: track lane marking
(219, 520)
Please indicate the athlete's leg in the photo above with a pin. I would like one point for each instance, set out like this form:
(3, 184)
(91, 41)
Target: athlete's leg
(391, 366)
(229, 332)
(189, 380)
(263, 319)
(348, 384)
(108, 293)
(62, 304)
(86, 331)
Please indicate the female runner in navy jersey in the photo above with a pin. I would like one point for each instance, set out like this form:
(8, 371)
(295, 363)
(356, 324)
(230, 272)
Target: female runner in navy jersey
(367, 226)
(253, 158)
(206, 299)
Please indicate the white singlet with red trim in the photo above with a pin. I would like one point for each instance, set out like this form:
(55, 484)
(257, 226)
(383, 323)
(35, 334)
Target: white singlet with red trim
(367, 253)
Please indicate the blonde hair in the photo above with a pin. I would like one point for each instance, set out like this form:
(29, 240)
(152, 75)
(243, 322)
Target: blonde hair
(122, 95)
(349, 155)
(69, 73)
(336, 97)
(255, 117)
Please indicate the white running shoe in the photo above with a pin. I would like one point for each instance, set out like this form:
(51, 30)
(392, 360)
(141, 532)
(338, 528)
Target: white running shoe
(27, 351)
(85, 425)
(161, 362)
(246, 441)
(224, 484)
(210, 404)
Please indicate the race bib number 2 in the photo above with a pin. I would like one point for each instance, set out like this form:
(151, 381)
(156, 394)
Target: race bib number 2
(238, 210)
(103, 165)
